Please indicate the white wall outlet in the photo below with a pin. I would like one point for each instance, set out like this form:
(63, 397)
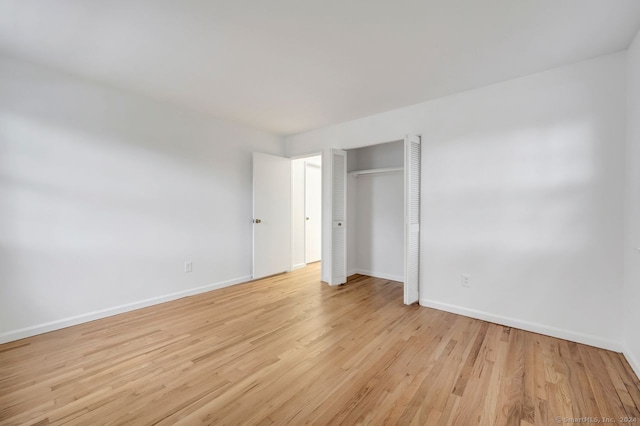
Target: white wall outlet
(188, 266)
(465, 280)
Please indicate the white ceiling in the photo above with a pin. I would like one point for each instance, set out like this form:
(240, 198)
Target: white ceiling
(288, 66)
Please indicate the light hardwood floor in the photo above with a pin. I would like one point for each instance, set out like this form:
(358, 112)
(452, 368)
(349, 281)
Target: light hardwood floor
(290, 350)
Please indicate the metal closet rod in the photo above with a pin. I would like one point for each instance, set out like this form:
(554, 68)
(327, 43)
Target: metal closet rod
(374, 171)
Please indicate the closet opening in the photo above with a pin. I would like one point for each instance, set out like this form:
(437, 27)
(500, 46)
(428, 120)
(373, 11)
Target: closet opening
(375, 211)
(371, 214)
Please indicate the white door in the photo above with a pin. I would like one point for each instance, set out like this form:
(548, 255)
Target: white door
(271, 214)
(334, 216)
(313, 212)
(412, 219)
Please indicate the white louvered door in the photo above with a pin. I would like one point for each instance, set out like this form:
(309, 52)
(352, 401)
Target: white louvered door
(412, 219)
(334, 216)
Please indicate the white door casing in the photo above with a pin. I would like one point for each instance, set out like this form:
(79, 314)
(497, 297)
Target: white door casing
(412, 150)
(334, 216)
(271, 214)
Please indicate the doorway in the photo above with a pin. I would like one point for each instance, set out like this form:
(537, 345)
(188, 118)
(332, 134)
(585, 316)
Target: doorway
(289, 207)
(306, 214)
(338, 227)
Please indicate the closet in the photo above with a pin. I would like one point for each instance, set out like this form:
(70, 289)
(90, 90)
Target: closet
(371, 213)
(375, 211)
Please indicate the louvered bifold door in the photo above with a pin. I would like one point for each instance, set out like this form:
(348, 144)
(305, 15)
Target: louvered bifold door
(334, 215)
(412, 219)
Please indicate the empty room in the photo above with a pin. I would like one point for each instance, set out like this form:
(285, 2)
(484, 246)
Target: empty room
(319, 212)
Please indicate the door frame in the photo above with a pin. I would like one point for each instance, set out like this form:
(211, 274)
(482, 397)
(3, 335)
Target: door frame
(401, 138)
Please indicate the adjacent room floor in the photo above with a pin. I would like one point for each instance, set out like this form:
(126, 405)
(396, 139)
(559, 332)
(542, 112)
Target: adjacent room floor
(288, 349)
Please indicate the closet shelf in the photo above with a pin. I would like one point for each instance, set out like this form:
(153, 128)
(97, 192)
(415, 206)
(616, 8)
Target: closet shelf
(374, 171)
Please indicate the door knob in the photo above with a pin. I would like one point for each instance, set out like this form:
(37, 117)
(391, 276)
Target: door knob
(257, 221)
(306, 218)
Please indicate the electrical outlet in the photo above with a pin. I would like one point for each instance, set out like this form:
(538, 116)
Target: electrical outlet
(188, 266)
(465, 280)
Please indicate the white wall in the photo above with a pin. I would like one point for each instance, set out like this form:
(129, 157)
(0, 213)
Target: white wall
(522, 189)
(104, 195)
(632, 210)
(352, 220)
(380, 225)
(384, 155)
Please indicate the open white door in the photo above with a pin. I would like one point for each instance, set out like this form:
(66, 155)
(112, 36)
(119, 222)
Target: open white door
(334, 216)
(271, 214)
(412, 219)
(313, 212)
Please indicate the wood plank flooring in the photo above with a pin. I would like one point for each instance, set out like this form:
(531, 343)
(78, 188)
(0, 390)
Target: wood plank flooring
(290, 350)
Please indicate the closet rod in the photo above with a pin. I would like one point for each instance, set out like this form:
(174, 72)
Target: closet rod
(372, 171)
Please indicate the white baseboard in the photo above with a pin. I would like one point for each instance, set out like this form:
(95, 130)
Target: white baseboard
(298, 266)
(374, 274)
(526, 325)
(632, 360)
(21, 333)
